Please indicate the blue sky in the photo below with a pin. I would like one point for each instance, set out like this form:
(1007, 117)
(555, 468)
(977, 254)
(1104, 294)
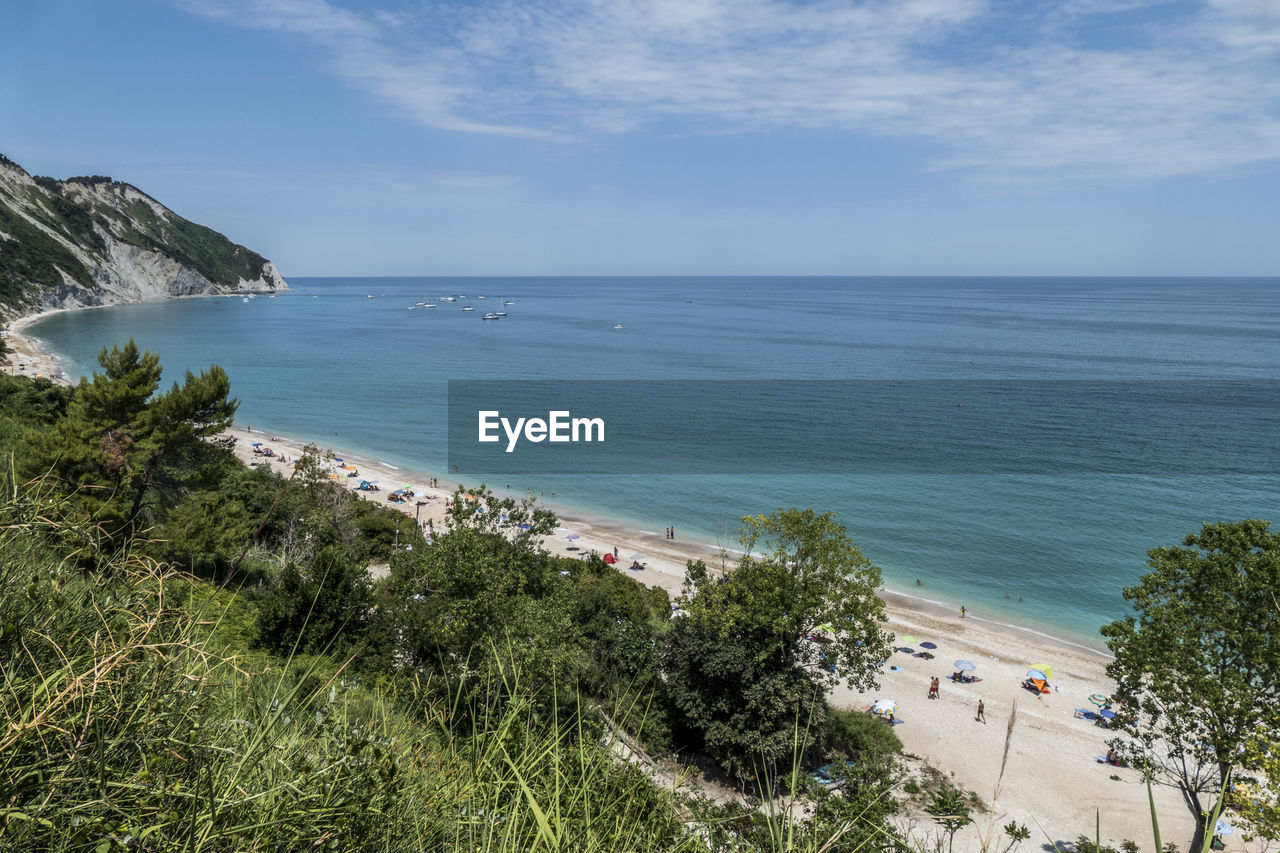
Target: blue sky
(859, 137)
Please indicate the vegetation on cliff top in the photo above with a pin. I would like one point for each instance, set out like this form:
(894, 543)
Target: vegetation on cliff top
(79, 210)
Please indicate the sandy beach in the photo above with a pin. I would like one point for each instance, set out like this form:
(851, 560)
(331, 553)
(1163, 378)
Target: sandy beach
(1052, 782)
(27, 357)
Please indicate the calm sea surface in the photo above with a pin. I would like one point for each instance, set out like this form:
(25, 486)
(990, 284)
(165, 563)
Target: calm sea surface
(326, 362)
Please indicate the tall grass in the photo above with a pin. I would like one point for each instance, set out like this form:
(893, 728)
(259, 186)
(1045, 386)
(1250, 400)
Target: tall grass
(130, 726)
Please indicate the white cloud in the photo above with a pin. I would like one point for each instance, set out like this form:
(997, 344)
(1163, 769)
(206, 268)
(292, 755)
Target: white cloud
(1027, 93)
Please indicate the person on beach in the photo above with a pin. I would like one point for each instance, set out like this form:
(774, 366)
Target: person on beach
(982, 713)
(962, 611)
(933, 687)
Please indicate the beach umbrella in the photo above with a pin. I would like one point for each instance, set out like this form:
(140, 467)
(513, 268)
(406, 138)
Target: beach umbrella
(637, 557)
(928, 645)
(572, 536)
(1045, 668)
(1223, 828)
(1099, 700)
(1107, 714)
(1036, 675)
(907, 641)
(523, 525)
(255, 444)
(965, 665)
(884, 707)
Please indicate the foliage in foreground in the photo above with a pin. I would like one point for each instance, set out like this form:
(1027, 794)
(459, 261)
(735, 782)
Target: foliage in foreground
(1198, 664)
(130, 728)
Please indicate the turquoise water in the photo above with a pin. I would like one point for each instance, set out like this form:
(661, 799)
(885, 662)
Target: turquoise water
(327, 363)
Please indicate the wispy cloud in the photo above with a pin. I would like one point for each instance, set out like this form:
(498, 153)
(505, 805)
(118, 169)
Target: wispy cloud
(1070, 88)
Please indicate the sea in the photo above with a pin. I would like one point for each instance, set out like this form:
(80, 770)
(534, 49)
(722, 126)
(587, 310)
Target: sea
(363, 365)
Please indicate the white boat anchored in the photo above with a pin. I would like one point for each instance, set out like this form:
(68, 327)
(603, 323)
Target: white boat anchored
(468, 307)
(492, 316)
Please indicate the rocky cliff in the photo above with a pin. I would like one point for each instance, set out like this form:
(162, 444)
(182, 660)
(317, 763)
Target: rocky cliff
(95, 241)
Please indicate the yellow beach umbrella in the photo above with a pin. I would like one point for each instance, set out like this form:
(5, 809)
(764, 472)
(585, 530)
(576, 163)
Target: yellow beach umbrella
(1045, 668)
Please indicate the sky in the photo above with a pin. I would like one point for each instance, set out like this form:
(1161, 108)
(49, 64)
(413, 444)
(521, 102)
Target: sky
(673, 137)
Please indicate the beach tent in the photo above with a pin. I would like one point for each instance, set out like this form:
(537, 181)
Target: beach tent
(609, 559)
(1045, 668)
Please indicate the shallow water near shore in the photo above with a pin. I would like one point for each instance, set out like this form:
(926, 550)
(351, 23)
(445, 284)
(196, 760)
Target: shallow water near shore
(325, 362)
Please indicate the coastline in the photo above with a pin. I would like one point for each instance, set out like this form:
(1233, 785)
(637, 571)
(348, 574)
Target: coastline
(1046, 730)
(1047, 735)
(28, 356)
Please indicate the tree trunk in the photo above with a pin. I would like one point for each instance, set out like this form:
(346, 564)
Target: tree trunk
(1197, 840)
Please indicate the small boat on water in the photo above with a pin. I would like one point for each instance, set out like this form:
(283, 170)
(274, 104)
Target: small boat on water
(448, 299)
(429, 305)
(509, 302)
(492, 316)
(618, 326)
(370, 296)
(244, 299)
(479, 297)
(501, 313)
(468, 307)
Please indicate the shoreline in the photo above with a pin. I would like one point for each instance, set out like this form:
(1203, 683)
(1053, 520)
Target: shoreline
(1059, 805)
(40, 361)
(943, 733)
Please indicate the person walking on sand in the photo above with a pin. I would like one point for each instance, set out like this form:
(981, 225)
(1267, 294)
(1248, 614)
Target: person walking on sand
(933, 687)
(982, 713)
(962, 611)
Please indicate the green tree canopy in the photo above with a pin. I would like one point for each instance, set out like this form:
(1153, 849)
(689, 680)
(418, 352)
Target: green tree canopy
(1198, 662)
(741, 667)
(130, 450)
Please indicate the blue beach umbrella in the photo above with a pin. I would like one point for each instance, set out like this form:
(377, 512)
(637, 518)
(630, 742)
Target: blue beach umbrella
(928, 645)
(1107, 714)
(1036, 675)
(1223, 828)
(965, 665)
